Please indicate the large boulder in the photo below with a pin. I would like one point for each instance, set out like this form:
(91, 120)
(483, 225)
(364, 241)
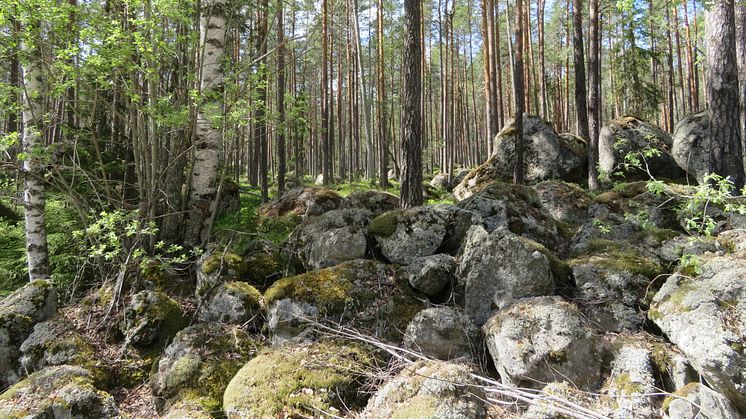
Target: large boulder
(404, 235)
(691, 144)
(517, 208)
(263, 263)
(367, 295)
(199, 363)
(299, 381)
(565, 202)
(234, 303)
(217, 267)
(19, 312)
(429, 390)
(57, 392)
(56, 342)
(704, 318)
(151, 317)
(432, 274)
(543, 339)
(498, 267)
(630, 136)
(547, 155)
(631, 384)
(698, 401)
(443, 333)
(303, 201)
(377, 202)
(329, 239)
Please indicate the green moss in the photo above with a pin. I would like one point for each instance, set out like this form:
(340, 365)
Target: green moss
(385, 224)
(683, 392)
(326, 288)
(624, 385)
(261, 265)
(238, 287)
(622, 260)
(216, 260)
(418, 407)
(659, 235)
(298, 382)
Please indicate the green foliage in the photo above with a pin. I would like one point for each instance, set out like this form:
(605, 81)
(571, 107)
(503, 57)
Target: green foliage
(690, 265)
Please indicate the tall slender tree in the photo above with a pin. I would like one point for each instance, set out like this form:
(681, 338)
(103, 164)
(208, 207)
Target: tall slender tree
(518, 94)
(411, 176)
(594, 97)
(281, 129)
(726, 150)
(383, 157)
(581, 106)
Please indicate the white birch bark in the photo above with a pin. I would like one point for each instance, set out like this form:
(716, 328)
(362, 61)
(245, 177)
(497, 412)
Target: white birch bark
(204, 182)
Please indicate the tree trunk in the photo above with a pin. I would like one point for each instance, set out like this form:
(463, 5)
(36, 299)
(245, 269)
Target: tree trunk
(411, 176)
(594, 98)
(32, 141)
(281, 129)
(518, 95)
(581, 106)
(383, 157)
(722, 92)
(204, 185)
(741, 60)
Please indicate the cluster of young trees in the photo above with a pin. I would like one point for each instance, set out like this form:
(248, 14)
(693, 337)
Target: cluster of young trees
(154, 105)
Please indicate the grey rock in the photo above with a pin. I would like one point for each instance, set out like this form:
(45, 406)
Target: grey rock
(691, 144)
(199, 363)
(58, 392)
(377, 202)
(516, 208)
(429, 390)
(233, 302)
(443, 333)
(628, 134)
(329, 239)
(565, 202)
(631, 384)
(698, 401)
(704, 318)
(302, 202)
(432, 274)
(151, 317)
(55, 342)
(216, 267)
(499, 267)
(543, 339)
(288, 319)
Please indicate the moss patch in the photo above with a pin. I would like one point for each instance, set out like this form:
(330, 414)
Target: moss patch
(326, 288)
(418, 407)
(385, 224)
(216, 260)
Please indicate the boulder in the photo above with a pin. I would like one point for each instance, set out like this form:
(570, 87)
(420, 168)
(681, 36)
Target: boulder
(377, 202)
(432, 274)
(615, 286)
(217, 267)
(547, 155)
(263, 262)
(440, 181)
(548, 408)
(565, 202)
(366, 295)
(55, 342)
(57, 392)
(198, 364)
(698, 401)
(303, 201)
(234, 303)
(630, 136)
(543, 339)
(19, 312)
(329, 239)
(631, 385)
(188, 409)
(404, 235)
(499, 267)
(429, 390)
(307, 380)
(516, 208)
(151, 317)
(704, 318)
(691, 144)
(443, 333)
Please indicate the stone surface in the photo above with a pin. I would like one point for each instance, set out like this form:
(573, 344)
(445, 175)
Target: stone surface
(302, 201)
(404, 235)
(329, 239)
(366, 295)
(198, 364)
(151, 317)
(543, 339)
(429, 390)
(57, 392)
(432, 274)
(628, 134)
(547, 156)
(377, 202)
(704, 318)
(565, 202)
(516, 208)
(691, 144)
(55, 342)
(443, 333)
(500, 267)
(233, 302)
(298, 381)
(631, 384)
(217, 267)
(698, 401)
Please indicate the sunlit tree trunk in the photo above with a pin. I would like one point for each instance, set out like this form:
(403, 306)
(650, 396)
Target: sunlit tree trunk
(411, 176)
(594, 97)
(581, 106)
(518, 95)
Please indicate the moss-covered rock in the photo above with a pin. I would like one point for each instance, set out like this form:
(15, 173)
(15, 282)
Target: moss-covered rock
(302, 201)
(57, 392)
(566, 202)
(364, 294)
(233, 302)
(443, 333)
(19, 312)
(215, 268)
(377, 202)
(300, 381)
(696, 400)
(198, 364)
(265, 263)
(631, 385)
(151, 317)
(56, 342)
(429, 390)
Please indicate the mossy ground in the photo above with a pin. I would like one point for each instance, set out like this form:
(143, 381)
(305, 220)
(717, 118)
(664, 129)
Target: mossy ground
(327, 288)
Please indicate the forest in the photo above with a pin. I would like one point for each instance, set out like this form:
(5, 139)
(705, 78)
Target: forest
(174, 172)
